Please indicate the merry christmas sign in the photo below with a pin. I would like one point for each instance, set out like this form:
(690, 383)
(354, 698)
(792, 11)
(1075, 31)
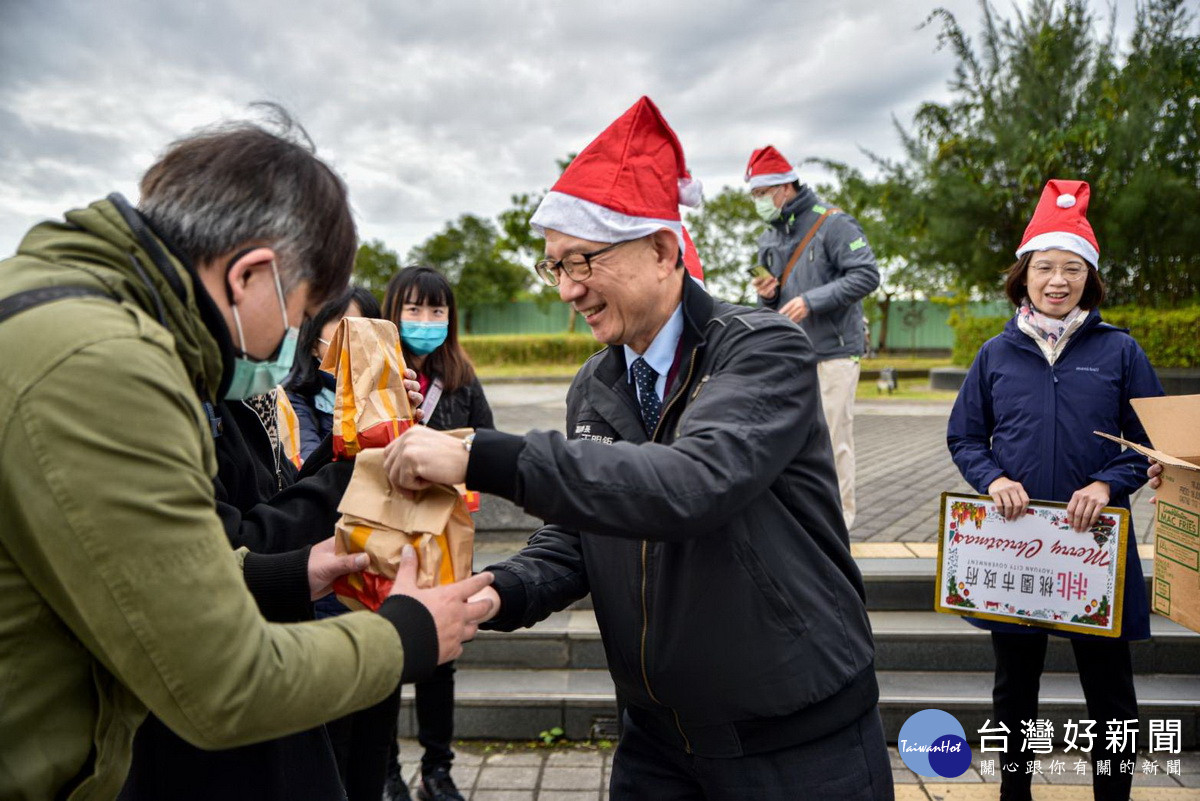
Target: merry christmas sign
(1035, 570)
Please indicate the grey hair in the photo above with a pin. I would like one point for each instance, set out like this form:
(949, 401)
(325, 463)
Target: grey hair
(243, 184)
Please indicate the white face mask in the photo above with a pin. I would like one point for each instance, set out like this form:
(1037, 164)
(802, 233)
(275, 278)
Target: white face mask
(765, 206)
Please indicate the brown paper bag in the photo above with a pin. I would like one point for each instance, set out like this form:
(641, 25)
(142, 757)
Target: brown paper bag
(370, 407)
(288, 425)
(379, 520)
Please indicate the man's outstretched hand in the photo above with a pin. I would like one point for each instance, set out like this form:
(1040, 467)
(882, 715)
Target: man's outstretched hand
(456, 616)
(422, 456)
(325, 567)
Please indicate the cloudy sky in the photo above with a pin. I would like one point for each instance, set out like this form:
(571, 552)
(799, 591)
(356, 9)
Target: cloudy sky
(433, 109)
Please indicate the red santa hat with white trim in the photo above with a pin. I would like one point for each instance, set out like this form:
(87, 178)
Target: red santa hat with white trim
(1060, 222)
(628, 183)
(768, 167)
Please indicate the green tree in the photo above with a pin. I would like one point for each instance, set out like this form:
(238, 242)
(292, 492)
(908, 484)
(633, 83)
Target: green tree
(469, 253)
(374, 266)
(519, 243)
(1150, 160)
(517, 240)
(1042, 96)
(892, 219)
(724, 230)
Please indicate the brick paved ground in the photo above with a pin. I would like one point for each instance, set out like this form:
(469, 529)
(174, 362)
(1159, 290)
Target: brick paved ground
(519, 772)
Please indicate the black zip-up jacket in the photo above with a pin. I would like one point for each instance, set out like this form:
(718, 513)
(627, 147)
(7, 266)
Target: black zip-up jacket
(731, 611)
(465, 407)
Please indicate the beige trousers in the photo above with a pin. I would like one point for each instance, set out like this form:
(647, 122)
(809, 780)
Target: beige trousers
(839, 380)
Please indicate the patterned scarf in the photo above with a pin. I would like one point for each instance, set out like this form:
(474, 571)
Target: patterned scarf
(268, 412)
(1050, 333)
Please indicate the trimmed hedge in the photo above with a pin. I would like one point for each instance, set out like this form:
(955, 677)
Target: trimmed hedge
(501, 349)
(969, 335)
(1171, 338)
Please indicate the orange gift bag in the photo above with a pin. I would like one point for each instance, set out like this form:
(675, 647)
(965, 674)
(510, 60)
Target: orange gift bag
(370, 407)
(379, 520)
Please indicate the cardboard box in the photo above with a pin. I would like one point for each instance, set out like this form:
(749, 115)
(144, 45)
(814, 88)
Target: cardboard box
(1173, 424)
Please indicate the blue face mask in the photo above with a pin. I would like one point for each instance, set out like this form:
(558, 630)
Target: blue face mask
(253, 377)
(324, 400)
(423, 338)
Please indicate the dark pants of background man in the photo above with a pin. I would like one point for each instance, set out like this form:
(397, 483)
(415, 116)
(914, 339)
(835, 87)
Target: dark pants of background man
(848, 765)
(360, 745)
(434, 703)
(1106, 673)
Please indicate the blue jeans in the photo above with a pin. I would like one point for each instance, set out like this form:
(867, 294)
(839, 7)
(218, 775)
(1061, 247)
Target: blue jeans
(848, 765)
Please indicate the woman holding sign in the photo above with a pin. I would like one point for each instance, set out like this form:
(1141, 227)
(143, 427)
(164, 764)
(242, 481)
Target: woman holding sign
(420, 302)
(1022, 428)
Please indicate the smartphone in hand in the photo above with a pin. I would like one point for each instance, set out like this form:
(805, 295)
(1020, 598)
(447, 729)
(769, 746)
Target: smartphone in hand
(758, 271)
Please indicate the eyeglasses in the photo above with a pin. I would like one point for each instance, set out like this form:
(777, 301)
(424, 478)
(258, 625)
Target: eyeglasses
(577, 265)
(1072, 271)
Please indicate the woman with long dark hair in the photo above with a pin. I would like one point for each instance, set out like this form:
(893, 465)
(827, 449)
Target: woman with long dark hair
(420, 301)
(1022, 428)
(309, 388)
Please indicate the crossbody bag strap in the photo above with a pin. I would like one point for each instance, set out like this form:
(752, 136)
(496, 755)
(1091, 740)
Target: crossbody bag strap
(804, 243)
(31, 298)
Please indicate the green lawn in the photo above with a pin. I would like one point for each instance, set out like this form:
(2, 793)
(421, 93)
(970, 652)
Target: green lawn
(548, 371)
(904, 362)
(910, 389)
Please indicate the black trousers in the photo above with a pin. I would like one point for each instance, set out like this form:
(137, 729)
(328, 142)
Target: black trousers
(1106, 673)
(360, 746)
(434, 701)
(848, 765)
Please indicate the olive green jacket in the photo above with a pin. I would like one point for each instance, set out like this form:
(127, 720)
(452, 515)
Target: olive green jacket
(118, 589)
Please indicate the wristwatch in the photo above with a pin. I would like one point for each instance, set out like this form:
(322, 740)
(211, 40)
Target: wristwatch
(468, 441)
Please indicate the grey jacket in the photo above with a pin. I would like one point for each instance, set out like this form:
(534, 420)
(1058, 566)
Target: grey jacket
(836, 271)
(731, 612)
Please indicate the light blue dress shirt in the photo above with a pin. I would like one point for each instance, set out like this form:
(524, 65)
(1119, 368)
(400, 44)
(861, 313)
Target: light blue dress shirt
(661, 353)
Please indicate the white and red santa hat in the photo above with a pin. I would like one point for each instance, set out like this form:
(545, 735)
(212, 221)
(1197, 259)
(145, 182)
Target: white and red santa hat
(1060, 222)
(768, 167)
(628, 183)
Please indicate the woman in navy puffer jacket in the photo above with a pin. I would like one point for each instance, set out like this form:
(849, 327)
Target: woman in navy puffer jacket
(1022, 428)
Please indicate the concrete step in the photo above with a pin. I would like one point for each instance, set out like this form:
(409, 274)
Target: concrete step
(906, 641)
(899, 582)
(520, 704)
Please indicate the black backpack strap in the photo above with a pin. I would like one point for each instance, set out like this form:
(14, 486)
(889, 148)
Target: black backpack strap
(22, 301)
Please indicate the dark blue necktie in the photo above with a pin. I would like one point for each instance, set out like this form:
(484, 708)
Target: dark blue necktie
(644, 377)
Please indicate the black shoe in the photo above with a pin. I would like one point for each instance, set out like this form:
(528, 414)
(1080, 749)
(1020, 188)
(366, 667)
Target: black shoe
(436, 785)
(394, 788)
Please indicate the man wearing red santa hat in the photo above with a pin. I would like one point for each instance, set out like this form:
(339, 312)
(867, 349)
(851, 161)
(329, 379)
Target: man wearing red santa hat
(821, 268)
(694, 497)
